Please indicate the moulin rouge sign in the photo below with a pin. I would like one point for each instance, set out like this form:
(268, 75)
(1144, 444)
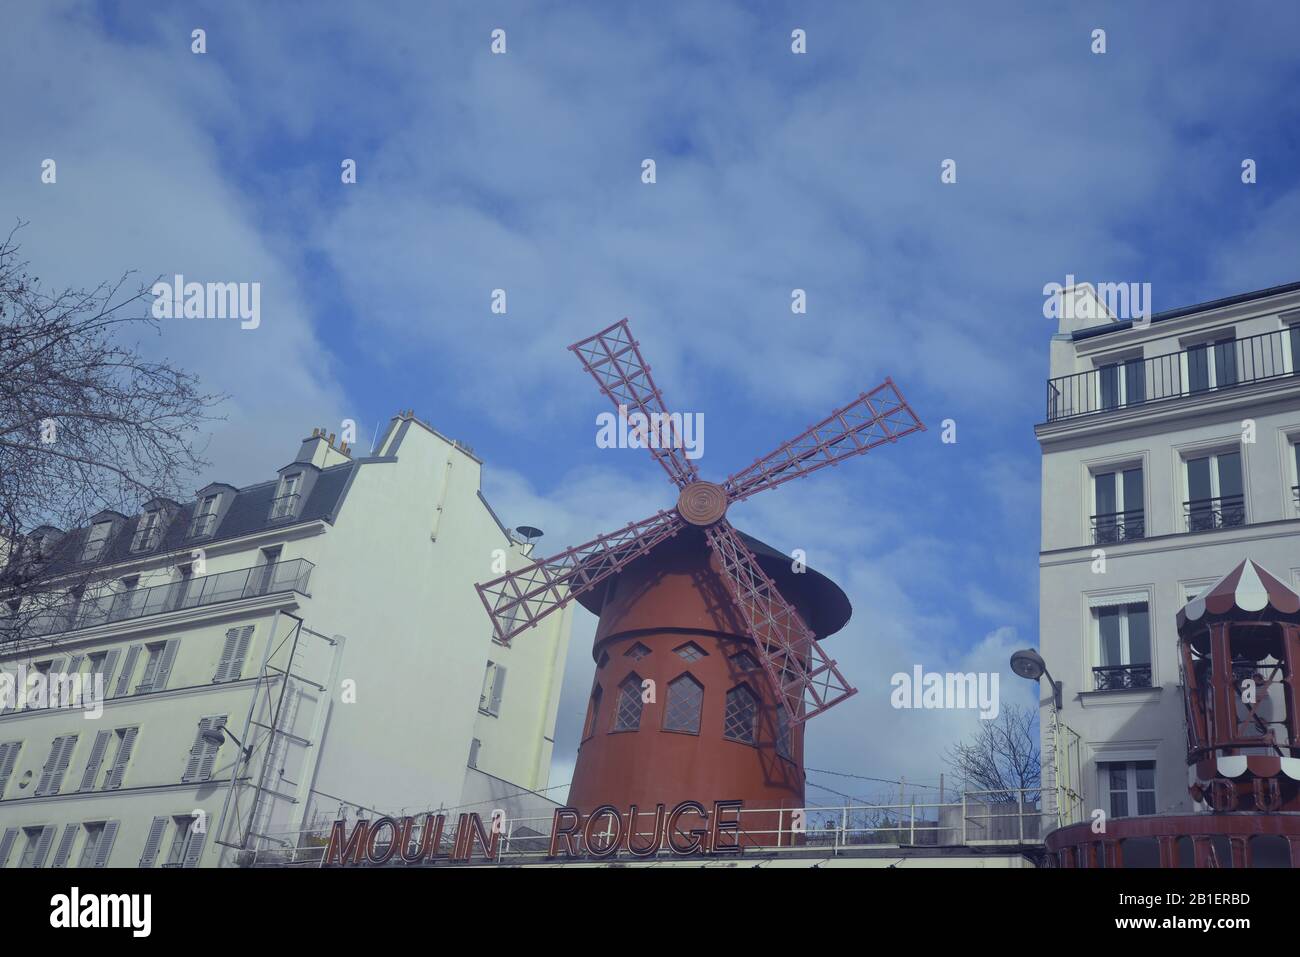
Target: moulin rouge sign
(602, 833)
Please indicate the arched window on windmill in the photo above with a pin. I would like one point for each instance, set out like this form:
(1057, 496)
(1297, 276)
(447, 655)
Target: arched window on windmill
(741, 715)
(685, 699)
(628, 715)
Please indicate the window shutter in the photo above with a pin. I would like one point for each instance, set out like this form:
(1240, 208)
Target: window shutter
(195, 847)
(114, 780)
(65, 845)
(168, 657)
(105, 846)
(96, 759)
(56, 666)
(237, 662)
(227, 653)
(152, 844)
(210, 751)
(110, 663)
(74, 664)
(498, 688)
(8, 757)
(196, 753)
(124, 679)
(43, 846)
(69, 743)
(47, 772)
(7, 845)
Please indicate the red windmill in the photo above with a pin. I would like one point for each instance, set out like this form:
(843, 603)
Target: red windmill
(801, 679)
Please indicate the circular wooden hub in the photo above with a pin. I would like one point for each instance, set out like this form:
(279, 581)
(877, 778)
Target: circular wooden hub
(702, 503)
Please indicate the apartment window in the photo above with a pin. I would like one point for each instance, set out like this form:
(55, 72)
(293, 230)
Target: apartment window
(1130, 786)
(1215, 496)
(1295, 464)
(187, 843)
(494, 684)
(99, 843)
(124, 739)
(509, 621)
(205, 517)
(158, 666)
(263, 576)
(180, 588)
(685, 699)
(8, 758)
(1122, 383)
(740, 715)
(56, 765)
(1212, 365)
(628, 715)
(96, 540)
(125, 599)
(474, 746)
(1118, 513)
(689, 651)
(37, 848)
(1123, 647)
(231, 666)
(146, 533)
(203, 753)
(285, 504)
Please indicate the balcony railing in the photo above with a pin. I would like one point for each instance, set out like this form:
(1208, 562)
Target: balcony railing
(1111, 528)
(285, 506)
(1207, 514)
(186, 593)
(1118, 677)
(1202, 369)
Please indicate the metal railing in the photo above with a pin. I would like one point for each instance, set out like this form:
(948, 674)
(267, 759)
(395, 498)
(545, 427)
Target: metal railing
(1201, 369)
(1118, 677)
(1111, 528)
(1206, 514)
(285, 506)
(268, 579)
(1012, 818)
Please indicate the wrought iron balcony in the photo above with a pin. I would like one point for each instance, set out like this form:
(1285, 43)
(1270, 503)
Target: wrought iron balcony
(1172, 376)
(1207, 514)
(285, 506)
(1111, 528)
(187, 593)
(1118, 677)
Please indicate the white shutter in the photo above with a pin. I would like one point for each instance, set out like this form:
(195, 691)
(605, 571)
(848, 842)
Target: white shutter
(195, 847)
(236, 668)
(210, 751)
(124, 679)
(498, 688)
(1124, 598)
(168, 657)
(8, 757)
(7, 845)
(61, 768)
(96, 759)
(74, 664)
(110, 663)
(227, 653)
(105, 846)
(114, 780)
(151, 844)
(196, 752)
(47, 772)
(65, 845)
(43, 846)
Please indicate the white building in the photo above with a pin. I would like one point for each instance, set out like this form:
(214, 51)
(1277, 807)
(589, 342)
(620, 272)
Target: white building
(1169, 455)
(326, 619)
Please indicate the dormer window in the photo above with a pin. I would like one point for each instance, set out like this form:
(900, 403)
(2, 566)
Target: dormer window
(205, 516)
(146, 533)
(96, 541)
(285, 503)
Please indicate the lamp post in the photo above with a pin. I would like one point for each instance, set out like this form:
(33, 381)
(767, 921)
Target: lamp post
(1030, 664)
(218, 737)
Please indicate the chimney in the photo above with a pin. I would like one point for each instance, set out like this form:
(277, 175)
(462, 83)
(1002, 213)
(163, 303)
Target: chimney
(319, 450)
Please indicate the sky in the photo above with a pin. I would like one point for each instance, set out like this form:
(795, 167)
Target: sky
(774, 171)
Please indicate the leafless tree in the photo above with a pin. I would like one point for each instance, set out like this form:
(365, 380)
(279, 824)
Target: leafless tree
(1002, 756)
(87, 423)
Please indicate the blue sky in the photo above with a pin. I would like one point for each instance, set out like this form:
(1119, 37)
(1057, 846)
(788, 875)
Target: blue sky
(775, 171)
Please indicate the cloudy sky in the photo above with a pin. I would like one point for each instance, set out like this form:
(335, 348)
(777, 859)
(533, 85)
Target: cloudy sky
(775, 171)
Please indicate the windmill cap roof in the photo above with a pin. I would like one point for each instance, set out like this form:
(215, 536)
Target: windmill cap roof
(1248, 590)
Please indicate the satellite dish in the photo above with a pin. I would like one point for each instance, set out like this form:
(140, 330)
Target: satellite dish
(529, 533)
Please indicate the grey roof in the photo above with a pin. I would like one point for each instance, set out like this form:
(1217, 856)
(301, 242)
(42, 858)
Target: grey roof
(1188, 310)
(248, 513)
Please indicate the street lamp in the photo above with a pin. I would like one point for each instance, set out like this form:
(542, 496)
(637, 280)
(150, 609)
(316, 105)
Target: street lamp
(1030, 664)
(218, 736)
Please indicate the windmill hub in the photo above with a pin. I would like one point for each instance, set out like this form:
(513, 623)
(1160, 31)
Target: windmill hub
(702, 503)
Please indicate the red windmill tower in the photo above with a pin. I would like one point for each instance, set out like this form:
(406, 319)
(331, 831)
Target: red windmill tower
(705, 671)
